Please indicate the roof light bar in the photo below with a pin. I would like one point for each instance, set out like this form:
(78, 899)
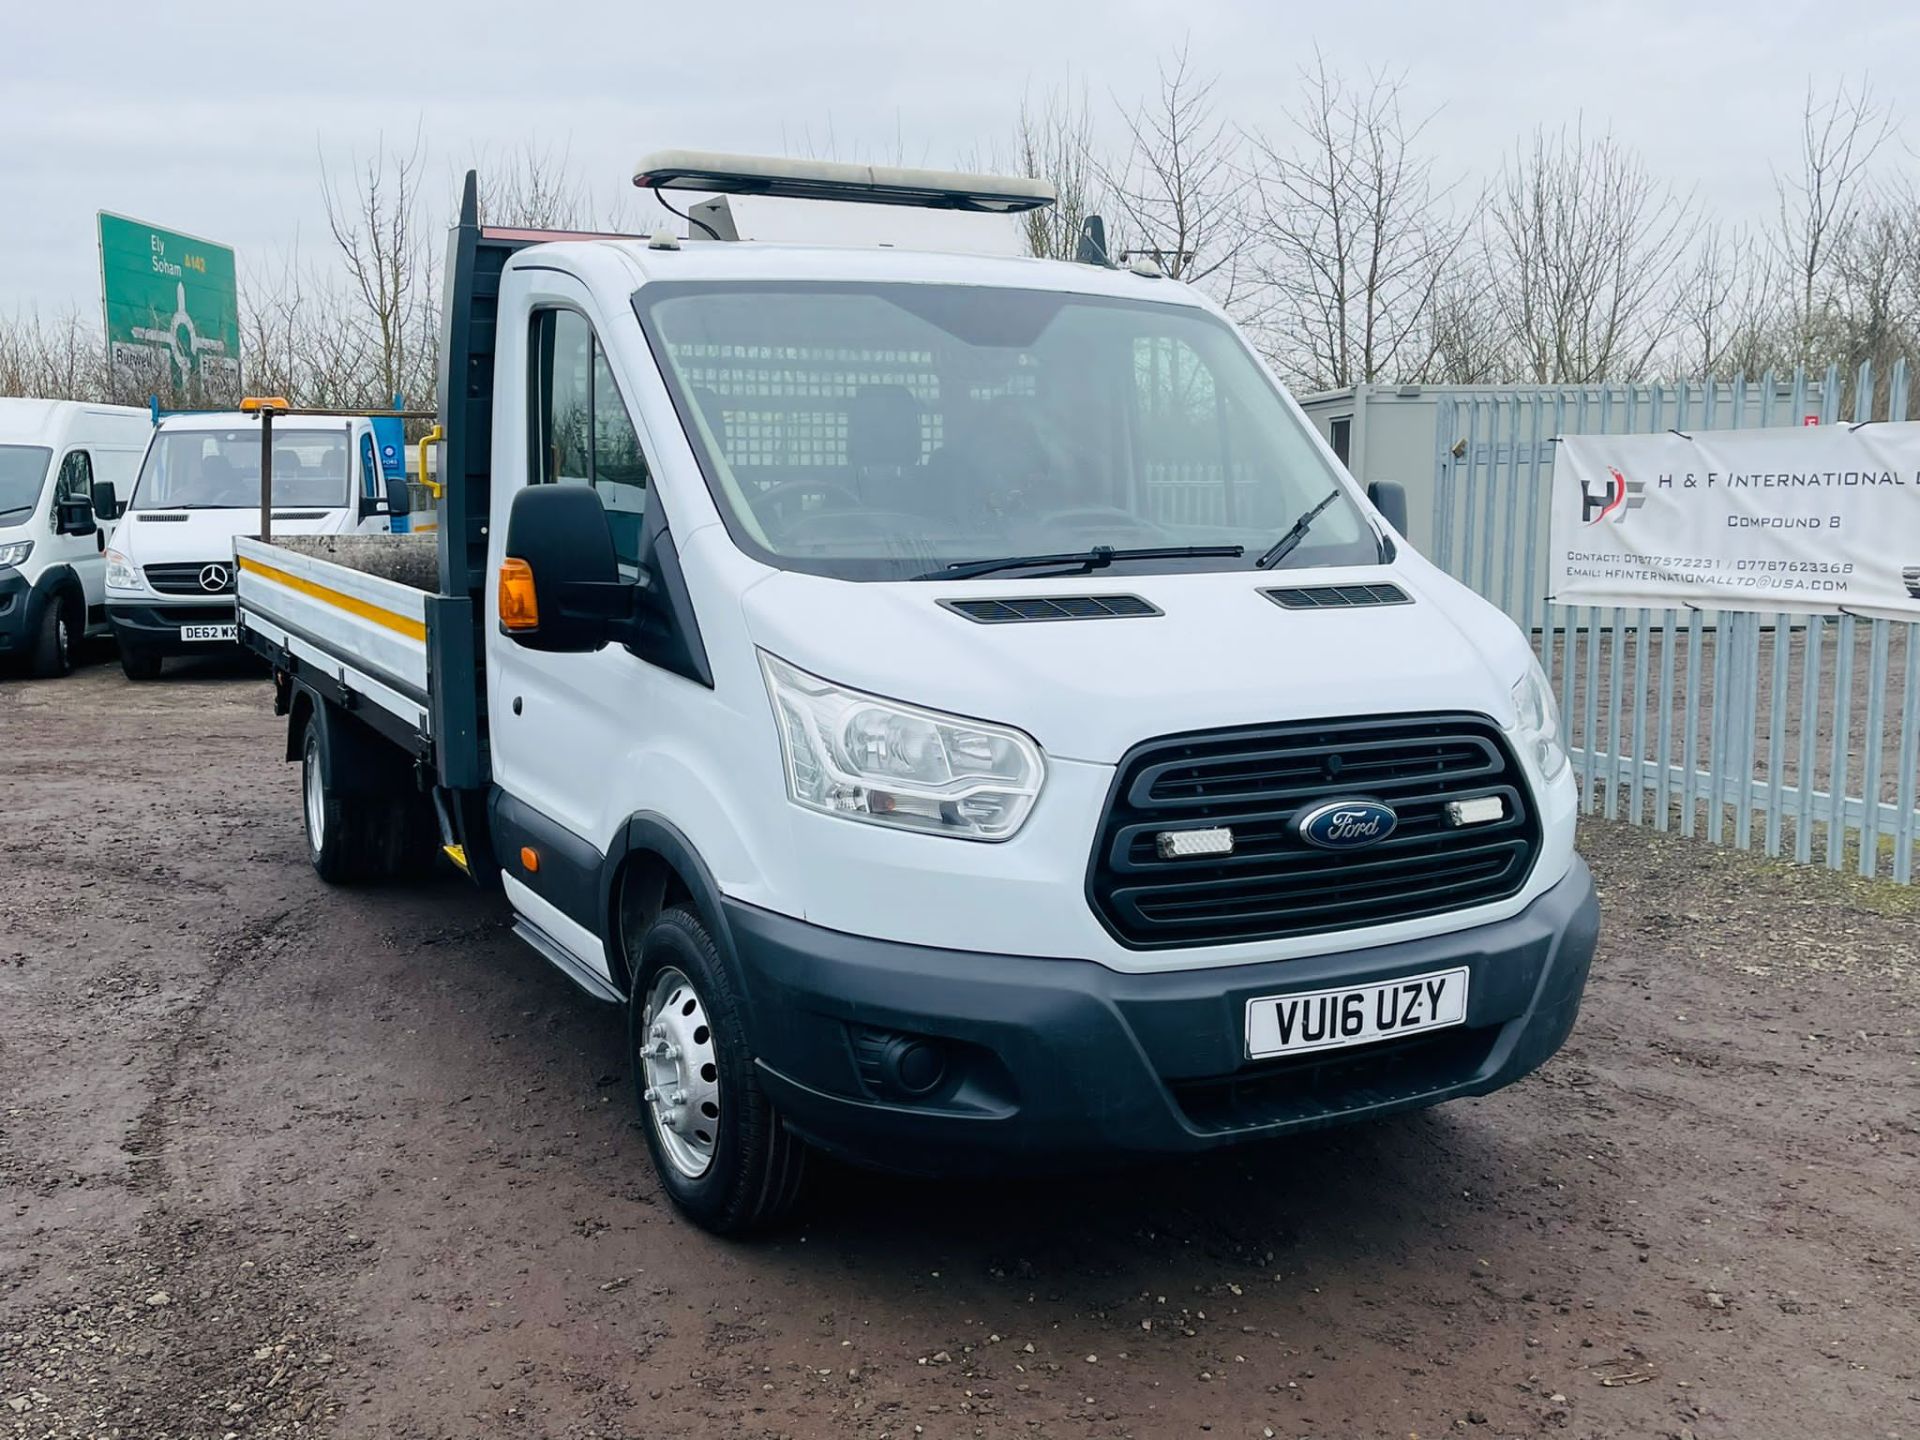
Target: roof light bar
(835, 180)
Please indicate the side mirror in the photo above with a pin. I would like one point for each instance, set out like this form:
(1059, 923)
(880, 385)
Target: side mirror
(106, 502)
(1391, 501)
(74, 517)
(399, 496)
(560, 588)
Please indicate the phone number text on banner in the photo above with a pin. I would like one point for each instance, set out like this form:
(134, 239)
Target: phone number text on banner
(1823, 519)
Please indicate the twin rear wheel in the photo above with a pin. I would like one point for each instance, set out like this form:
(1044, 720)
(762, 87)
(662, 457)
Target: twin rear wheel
(361, 828)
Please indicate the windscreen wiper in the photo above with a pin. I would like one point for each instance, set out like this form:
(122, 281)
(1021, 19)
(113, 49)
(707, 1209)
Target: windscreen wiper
(1296, 532)
(1098, 558)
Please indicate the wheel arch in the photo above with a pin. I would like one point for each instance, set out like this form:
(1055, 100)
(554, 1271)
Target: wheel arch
(364, 761)
(58, 584)
(651, 866)
(300, 712)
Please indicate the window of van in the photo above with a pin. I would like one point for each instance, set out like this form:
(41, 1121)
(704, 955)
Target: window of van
(581, 432)
(23, 470)
(220, 470)
(75, 485)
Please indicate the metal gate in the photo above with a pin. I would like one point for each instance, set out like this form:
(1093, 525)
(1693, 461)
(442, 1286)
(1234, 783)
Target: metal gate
(1798, 734)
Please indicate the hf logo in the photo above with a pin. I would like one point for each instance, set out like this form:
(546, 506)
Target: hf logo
(1611, 499)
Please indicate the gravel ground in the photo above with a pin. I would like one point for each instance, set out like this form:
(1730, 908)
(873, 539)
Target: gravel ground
(280, 1160)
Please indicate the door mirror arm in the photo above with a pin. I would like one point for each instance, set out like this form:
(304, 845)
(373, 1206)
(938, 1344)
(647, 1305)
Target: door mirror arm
(609, 612)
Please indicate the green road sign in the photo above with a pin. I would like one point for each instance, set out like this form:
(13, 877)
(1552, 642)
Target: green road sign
(173, 310)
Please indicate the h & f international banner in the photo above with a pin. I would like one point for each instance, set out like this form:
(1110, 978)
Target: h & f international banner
(1821, 518)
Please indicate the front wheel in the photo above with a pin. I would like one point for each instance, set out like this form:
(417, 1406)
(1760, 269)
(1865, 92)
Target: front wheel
(53, 644)
(723, 1155)
(139, 665)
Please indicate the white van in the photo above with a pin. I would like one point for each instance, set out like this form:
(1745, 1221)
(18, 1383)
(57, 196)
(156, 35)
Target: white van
(52, 574)
(956, 705)
(169, 574)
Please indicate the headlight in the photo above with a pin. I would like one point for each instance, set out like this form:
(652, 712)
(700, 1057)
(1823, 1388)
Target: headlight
(15, 553)
(120, 573)
(856, 755)
(1539, 721)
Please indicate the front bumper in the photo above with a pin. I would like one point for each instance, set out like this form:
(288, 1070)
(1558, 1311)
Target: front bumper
(152, 629)
(1054, 1063)
(18, 613)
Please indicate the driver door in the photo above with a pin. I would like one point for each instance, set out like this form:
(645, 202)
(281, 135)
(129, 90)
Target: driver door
(565, 726)
(83, 552)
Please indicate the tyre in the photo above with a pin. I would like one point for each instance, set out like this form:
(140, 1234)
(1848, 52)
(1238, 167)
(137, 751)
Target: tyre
(53, 641)
(385, 831)
(723, 1155)
(139, 664)
(330, 822)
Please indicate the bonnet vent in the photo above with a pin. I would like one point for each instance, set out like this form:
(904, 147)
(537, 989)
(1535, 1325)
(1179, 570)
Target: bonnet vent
(1052, 607)
(1336, 597)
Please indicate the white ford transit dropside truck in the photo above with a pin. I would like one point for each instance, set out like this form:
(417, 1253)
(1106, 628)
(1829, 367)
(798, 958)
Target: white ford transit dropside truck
(170, 569)
(956, 705)
(52, 572)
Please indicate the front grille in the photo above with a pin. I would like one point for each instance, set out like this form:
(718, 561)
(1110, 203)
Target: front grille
(1057, 607)
(1257, 782)
(183, 577)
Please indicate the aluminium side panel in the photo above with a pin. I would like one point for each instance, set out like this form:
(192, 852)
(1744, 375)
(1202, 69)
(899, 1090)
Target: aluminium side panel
(367, 633)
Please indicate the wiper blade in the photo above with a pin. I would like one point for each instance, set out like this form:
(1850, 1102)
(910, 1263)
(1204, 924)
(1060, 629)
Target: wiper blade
(1296, 532)
(1098, 558)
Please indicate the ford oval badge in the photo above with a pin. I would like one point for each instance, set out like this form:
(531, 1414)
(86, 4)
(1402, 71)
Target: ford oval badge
(1347, 824)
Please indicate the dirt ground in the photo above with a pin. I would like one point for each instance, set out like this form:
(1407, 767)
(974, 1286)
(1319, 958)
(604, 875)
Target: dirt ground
(281, 1160)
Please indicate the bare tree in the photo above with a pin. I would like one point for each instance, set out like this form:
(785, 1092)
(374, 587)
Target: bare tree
(377, 230)
(57, 358)
(1838, 138)
(1354, 239)
(1581, 246)
(1872, 314)
(535, 188)
(1055, 142)
(304, 339)
(1730, 319)
(1178, 191)
(1466, 343)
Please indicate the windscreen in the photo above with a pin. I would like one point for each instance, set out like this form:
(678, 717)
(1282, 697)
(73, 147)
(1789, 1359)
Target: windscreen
(220, 470)
(23, 470)
(887, 431)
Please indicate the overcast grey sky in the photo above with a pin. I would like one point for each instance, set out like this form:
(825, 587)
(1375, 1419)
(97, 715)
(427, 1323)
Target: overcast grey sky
(212, 118)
